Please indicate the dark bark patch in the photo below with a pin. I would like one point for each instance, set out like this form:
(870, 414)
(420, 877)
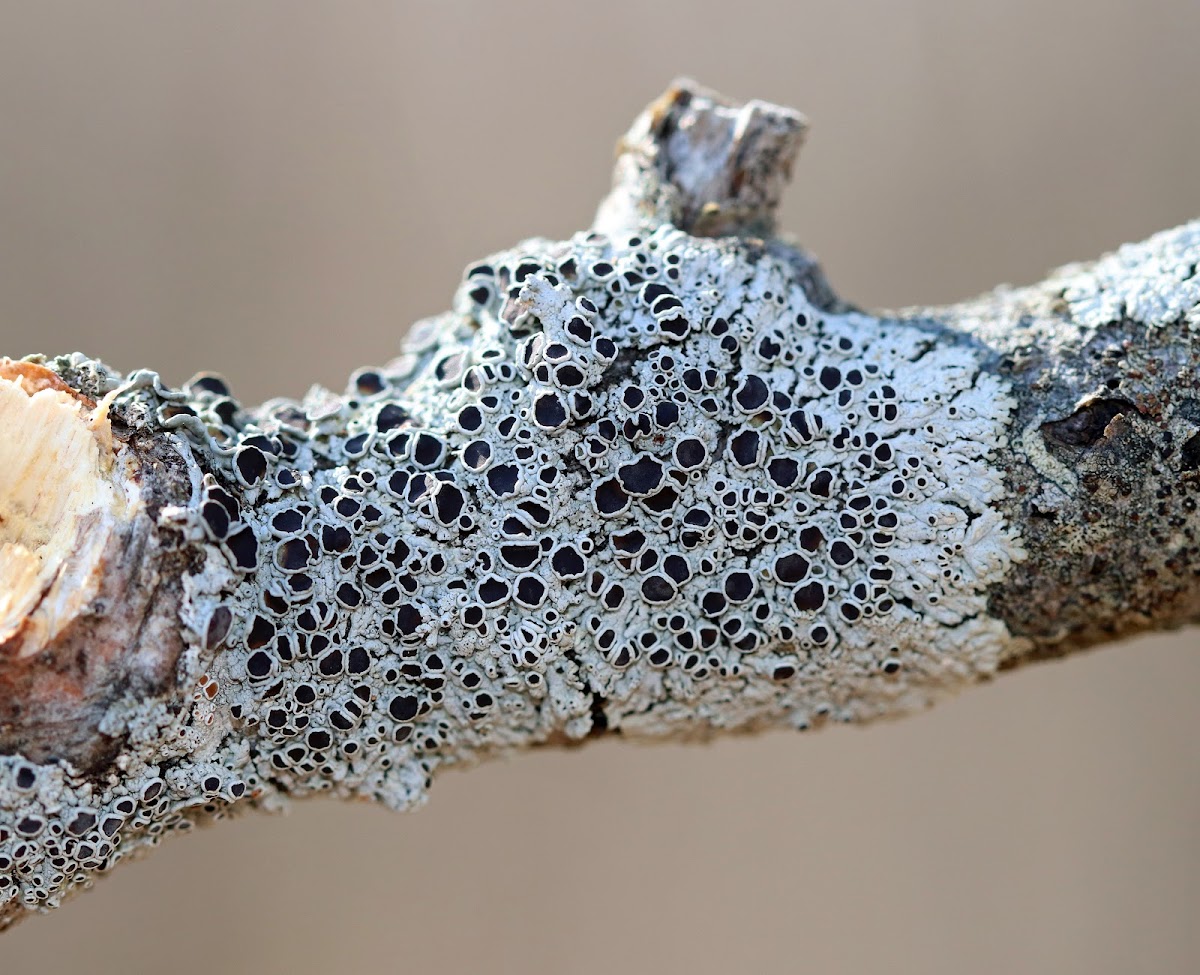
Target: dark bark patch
(1189, 454)
(1086, 426)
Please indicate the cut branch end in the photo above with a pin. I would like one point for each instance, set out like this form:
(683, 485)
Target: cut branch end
(62, 497)
(704, 163)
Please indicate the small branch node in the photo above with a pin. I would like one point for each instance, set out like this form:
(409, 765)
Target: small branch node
(703, 163)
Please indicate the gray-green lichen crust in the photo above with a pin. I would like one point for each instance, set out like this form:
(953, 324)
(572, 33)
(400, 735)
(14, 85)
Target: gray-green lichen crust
(639, 484)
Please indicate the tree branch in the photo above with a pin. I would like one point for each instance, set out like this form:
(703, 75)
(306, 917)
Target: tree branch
(657, 480)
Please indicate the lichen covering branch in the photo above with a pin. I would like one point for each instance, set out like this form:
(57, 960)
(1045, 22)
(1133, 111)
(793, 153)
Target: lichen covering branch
(654, 480)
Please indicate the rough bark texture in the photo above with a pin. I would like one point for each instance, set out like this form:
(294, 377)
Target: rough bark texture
(1103, 473)
(656, 480)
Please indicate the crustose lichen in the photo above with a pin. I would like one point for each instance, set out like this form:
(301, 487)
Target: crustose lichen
(641, 481)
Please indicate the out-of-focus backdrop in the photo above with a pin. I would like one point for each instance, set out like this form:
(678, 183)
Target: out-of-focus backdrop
(275, 189)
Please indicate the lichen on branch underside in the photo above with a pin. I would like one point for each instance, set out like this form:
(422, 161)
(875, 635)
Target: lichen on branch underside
(647, 480)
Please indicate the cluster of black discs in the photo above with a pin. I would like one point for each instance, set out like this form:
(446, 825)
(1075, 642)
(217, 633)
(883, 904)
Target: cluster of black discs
(620, 480)
(640, 485)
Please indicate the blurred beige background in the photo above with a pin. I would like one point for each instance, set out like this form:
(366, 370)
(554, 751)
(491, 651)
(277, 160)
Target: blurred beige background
(276, 189)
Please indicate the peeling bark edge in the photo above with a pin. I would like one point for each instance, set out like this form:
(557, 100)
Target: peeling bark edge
(1032, 455)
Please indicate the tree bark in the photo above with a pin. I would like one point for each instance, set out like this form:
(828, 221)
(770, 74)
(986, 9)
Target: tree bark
(656, 480)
